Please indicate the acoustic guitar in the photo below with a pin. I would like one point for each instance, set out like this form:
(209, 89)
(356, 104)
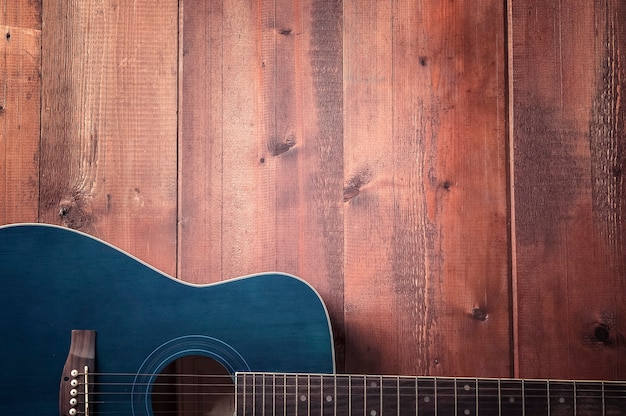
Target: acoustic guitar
(90, 330)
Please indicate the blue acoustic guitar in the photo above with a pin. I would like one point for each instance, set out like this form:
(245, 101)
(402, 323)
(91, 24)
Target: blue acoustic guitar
(89, 330)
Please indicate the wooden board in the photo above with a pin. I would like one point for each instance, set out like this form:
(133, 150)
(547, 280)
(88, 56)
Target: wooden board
(20, 14)
(109, 101)
(425, 186)
(261, 166)
(568, 141)
(20, 85)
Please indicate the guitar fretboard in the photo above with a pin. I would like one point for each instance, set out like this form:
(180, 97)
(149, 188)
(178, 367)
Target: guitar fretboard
(267, 394)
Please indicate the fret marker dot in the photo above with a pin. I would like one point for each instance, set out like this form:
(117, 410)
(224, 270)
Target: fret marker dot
(511, 399)
(466, 412)
(373, 413)
(329, 399)
(561, 399)
(466, 387)
(427, 399)
(303, 398)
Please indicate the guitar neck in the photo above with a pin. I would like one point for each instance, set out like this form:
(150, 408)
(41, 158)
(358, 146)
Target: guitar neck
(321, 394)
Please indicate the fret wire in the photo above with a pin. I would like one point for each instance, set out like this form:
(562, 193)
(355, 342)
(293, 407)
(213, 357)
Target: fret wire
(476, 396)
(398, 396)
(603, 402)
(456, 397)
(548, 391)
(436, 402)
(284, 394)
(237, 398)
(380, 403)
(523, 398)
(349, 395)
(575, 405)
(364, 395)
(499, 398)
(417, 398)
(534, 394)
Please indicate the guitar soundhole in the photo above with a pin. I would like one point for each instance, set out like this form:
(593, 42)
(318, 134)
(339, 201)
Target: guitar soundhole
(193, 385)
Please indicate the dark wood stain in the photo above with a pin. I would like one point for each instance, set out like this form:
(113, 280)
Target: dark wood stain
(326, 62)
(607, 135)
(548, 172)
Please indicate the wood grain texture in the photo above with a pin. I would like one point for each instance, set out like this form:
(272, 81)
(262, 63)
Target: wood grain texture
(108, 155)
(568, 155)
(20, 86)
(361, 145)
(261, 171)
(21, 14)
(426, 212)
(201, 141)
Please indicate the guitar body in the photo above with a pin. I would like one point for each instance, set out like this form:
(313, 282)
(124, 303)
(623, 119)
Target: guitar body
(55, 280)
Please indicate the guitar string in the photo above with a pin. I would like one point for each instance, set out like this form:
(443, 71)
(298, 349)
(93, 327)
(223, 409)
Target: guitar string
(425, 382)
(447, 389)
(491, 393)
(293, 393)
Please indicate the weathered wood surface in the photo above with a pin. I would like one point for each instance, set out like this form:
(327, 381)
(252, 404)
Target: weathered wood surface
(261, 165)
(568, 161)
(447, 175)
(20, 86)
(426, 263)
(109, 122)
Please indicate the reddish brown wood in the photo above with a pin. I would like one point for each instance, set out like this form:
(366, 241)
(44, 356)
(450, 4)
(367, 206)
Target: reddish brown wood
(20, 85)
(21, 14)
(108, 155)
(266, 158)
(201, 141)
(426, 239)
(361, 145)
(568, 156)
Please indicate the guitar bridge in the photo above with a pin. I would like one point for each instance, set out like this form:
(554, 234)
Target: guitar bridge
(74, 388)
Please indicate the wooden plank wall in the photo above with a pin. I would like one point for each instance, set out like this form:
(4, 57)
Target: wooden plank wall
(448, 175)
(568, 160)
